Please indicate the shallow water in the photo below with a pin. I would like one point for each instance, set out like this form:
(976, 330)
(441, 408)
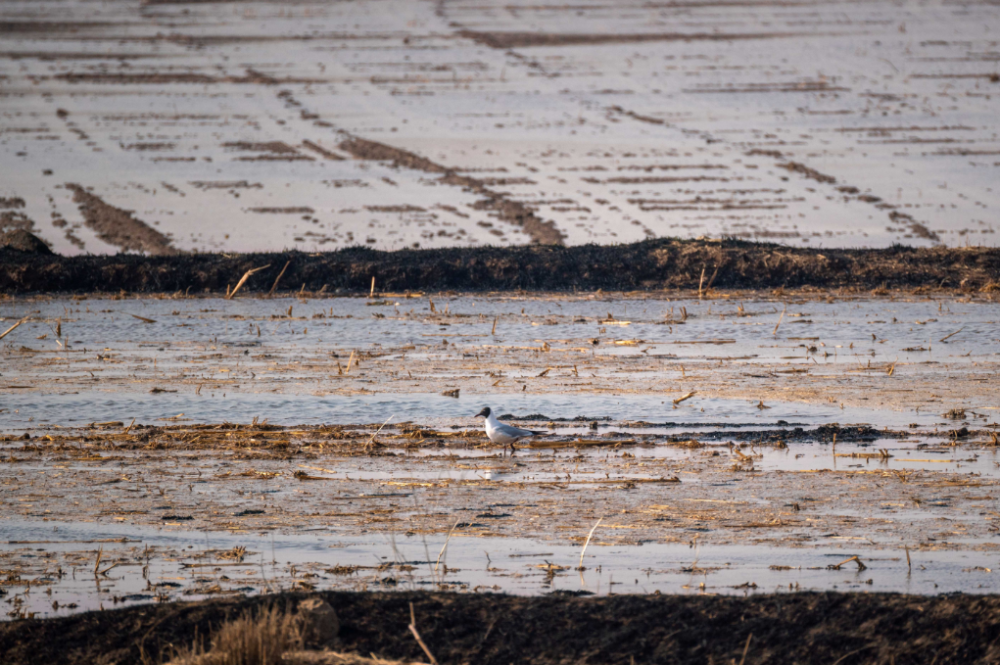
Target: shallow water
(759, 329)
(32, 410)
(259, 362)
(158, 562)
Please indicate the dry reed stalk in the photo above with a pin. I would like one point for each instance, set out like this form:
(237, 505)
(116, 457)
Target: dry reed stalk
(779, 321)
(946, 337)
(855, 559)
(701, 281)
(494, 331)
(97, 564)
(243, 280)
(336, 658)
(275, 286)
(909, 565)
(848, 655)
(686, 397)
(143, 318)
(445, 546)
(379, 429)
(13, 327)
(746, 648)
(372, 292)
(882, 454)
(711, 280)
(420, 641)
(433, 309)
(587, 542)
(350, 361)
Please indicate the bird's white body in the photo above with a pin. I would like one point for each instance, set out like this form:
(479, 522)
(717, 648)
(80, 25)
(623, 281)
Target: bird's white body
(505, 434)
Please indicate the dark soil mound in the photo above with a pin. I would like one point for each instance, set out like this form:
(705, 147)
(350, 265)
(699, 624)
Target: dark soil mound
(487, 629)
(20, 240)
(649, 265)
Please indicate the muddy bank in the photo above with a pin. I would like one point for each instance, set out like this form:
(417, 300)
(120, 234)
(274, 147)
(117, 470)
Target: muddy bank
(458, 628)
(647, 265)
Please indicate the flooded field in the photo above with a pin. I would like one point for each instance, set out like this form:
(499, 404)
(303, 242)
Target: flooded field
(178, 448)
(166, 126)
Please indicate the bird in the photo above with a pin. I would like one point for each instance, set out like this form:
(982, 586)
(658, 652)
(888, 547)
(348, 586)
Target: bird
(504, 434)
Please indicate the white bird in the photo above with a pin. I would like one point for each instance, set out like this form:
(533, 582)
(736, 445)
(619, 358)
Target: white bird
(504, 434)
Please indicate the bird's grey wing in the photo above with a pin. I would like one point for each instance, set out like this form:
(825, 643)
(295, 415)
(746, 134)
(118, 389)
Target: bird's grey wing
(514, 432)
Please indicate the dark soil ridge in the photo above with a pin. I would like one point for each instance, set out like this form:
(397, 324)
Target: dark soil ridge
(489, 629)
(511, 40)
(648, 265)
(119, 227)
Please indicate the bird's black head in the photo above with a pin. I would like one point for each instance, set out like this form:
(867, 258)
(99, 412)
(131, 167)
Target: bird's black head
(485, 413)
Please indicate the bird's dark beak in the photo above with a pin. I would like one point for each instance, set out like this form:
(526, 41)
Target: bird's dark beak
(485, 413)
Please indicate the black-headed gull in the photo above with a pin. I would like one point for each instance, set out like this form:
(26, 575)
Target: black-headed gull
(506, 435)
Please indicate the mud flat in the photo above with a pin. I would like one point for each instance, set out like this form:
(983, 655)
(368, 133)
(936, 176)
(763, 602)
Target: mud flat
(184, 448)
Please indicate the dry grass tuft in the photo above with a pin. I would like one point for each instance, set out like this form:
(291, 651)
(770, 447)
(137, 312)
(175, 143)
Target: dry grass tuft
(255, 638)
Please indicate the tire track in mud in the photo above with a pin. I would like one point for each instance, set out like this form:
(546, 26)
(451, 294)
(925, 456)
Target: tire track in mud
(512, 212)
(12, 219)
(510, 39)
(119, 227)
(515, 213)
(850, 192)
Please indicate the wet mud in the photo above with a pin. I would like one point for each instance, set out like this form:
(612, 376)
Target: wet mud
(645, 266)
(459, 628)
(714, 446)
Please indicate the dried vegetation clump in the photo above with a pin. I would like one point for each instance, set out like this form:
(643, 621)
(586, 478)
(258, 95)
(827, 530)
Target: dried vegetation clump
(254, 638)
(269, 636)
(283, 443)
